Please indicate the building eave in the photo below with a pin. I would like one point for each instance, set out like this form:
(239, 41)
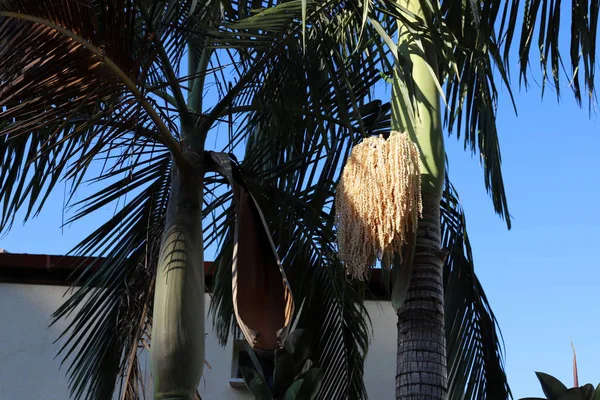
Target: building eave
(46, 269)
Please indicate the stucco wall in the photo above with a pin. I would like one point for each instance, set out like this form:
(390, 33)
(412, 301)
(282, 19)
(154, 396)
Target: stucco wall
(29, 369)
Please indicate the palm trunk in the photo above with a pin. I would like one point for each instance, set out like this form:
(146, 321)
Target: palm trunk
(421, 364)
(177, 348)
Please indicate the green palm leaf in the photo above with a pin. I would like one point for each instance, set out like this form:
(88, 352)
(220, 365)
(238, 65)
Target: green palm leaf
(475, 41)
(474, 345)
(74, 95)
(72, 100)
(112, 309)
(110, 322)
(311, 105)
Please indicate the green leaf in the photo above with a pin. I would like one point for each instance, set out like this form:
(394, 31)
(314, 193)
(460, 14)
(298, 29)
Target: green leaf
(473, 338)
(365, 14)
(293, 390)
(571, 394)
(298, 344)
(532, 398)
(311, 384)
(588, 392)
(256, 383)
(292, 360)
(597, 393)
(307, 366)
(284, 372)
(551, 386)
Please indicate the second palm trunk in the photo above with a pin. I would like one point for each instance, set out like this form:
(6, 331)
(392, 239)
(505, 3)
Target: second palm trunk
(421, 362)
(421, 353)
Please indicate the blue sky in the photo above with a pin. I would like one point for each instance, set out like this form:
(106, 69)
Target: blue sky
(542, 277)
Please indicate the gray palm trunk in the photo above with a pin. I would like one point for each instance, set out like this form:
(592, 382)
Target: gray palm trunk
(421, 363)
(421, 372)
(177, 354)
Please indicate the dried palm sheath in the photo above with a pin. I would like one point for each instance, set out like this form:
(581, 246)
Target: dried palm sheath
(378, 202)
(262, 298)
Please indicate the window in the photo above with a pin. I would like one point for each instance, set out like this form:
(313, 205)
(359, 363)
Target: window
(239, 352)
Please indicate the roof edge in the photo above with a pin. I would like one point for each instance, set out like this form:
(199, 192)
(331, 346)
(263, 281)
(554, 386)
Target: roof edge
(63, 270)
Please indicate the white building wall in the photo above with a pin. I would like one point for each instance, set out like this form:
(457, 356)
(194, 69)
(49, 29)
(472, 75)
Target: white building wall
(29, 369)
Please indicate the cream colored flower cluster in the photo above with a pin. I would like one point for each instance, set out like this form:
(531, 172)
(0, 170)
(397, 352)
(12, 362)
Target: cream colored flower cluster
(378, 202)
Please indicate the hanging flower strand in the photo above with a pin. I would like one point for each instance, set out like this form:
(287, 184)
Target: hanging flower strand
(378, 202)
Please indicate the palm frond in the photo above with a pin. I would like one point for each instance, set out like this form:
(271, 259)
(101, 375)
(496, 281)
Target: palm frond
(469, 31)
(463, 53)
(473, 42)
(98, 80)
(311, 105)
(477, 39)
(74, 100)
(473, 341)
(277, 31)
(112, 308)
(70, 64)
(544, 18)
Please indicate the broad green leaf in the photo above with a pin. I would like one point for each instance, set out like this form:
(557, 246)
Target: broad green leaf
(292, 392)
(312, 382)
(551, 386)
(307, 366)
(588, 392)
(298, 344)
(284, 372)
(571, 394)
(256, 383)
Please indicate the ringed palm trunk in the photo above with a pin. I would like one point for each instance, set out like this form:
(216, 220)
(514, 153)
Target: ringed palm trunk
(177, 348)
(421, 353)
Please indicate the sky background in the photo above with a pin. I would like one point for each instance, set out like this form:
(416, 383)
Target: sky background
(542, 277)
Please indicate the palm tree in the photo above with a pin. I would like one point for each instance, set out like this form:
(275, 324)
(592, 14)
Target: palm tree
(94, 90)
(98, 85)
(301, 218)
(462, 49)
